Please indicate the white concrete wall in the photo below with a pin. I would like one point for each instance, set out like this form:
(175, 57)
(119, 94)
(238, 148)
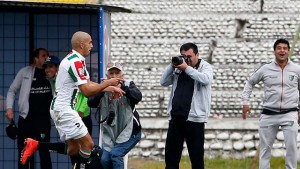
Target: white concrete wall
(228, 137)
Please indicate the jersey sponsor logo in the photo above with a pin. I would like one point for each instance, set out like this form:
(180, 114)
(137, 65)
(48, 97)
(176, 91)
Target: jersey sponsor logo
(80, 70)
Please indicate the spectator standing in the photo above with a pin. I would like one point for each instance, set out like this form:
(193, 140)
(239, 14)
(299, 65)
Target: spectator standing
(51, 66)
(34, 101)
(281, 78)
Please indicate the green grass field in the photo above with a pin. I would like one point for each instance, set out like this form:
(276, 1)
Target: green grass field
(276, 163)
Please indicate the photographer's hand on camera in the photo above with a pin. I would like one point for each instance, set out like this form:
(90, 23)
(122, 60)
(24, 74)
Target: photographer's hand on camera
(182, 66)
(180, 63)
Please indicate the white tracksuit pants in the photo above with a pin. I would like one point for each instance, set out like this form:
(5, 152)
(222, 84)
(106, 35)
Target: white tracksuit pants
(268, 129)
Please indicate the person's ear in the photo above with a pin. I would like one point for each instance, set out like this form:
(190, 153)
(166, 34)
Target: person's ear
(35, 59)
(81, 45)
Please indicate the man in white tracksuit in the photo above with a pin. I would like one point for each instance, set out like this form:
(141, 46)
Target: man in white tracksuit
(281, 104)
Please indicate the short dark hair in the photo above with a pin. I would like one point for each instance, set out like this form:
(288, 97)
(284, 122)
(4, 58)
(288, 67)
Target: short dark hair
(281, 41)
(35, 54)
(188, 46)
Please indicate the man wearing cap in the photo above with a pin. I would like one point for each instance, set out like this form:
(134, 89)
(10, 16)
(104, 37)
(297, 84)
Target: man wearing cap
(121, 129)
(34, 101)
(51, 67)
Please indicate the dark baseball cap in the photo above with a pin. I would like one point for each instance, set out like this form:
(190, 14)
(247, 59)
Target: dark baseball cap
(52, 60)
(12, 130)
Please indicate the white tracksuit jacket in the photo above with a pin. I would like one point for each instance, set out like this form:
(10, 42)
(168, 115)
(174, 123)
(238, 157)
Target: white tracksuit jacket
(281, 86)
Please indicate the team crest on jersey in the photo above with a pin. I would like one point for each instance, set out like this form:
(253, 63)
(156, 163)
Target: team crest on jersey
(80, 70)
(291, 77)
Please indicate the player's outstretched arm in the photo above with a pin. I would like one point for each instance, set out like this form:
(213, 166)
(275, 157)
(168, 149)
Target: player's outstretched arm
(92, 88)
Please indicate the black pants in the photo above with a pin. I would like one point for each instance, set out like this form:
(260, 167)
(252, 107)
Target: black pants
(193, 134)
(37, 129)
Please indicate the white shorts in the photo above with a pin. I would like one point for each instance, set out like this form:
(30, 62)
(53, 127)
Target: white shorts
(68, 124)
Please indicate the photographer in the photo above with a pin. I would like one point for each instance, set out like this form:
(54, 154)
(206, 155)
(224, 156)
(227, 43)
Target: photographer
(189, 106)
(121, 126)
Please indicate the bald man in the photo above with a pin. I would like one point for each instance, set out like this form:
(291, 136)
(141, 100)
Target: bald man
(72, 77)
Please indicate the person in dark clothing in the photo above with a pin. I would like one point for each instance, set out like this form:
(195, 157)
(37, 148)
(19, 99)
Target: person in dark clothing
(34, 102)
(189, 106)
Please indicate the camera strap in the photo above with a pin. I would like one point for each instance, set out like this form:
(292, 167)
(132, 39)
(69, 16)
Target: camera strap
(99, 121)
(134, 118)
(198, 64)
(97, 113)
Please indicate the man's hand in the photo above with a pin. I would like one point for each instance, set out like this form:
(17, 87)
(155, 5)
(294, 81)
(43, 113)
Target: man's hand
(116, 92)
(9, 114)
(114, 81)
(182, 66)
(246, 109)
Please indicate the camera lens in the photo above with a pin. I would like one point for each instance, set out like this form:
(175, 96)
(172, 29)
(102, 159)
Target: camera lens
(176, 60)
